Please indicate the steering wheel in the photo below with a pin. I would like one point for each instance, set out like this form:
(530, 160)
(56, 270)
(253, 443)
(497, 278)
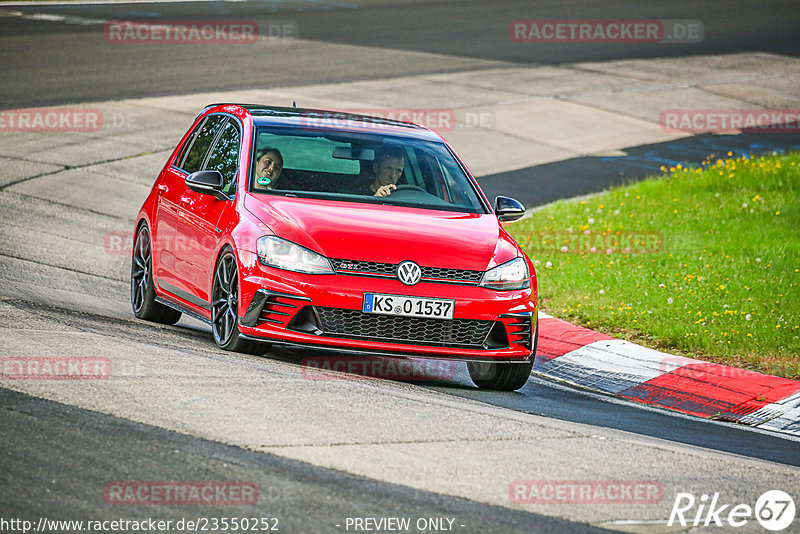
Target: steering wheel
(409, 187)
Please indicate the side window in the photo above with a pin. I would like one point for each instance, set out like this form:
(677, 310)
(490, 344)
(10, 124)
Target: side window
(225, 156)
(201, 143)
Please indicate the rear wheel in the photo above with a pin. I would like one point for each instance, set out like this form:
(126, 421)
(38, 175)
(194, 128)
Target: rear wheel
(503, 376)
(143, 294)
(225, 309)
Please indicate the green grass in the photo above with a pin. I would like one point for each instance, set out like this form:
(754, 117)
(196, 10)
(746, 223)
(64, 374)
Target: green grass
(704, 262)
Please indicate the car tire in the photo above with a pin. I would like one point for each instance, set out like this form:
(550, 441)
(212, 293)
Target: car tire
(503, 376)
(143, 293)
(225, 306)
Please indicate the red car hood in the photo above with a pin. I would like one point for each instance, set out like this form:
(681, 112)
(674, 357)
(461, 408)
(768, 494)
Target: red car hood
(389, 234)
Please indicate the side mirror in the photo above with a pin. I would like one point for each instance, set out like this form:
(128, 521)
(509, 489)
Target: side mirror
(205, 182)
(507, 209)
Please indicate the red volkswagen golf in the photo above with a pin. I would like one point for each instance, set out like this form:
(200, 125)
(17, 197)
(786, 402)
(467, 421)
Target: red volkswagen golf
(339, 232)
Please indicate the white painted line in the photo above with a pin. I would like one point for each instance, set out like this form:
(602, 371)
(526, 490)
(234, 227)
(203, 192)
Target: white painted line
(106, 2)
(113, 2)
(783, 415)
(788, 422)
(66, 19)
(82, 21)
(636, 522)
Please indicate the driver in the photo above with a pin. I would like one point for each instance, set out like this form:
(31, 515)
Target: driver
(387, 169)
(269, 164)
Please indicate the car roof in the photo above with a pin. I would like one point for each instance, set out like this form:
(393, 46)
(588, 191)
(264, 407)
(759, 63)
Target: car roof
(320, 119)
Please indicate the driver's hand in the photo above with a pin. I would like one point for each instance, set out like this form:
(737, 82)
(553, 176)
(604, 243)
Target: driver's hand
(385, 190)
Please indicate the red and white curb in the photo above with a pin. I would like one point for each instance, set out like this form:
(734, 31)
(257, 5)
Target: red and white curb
(592, 360)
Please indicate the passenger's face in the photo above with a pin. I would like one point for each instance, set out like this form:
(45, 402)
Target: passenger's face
(388, 171)
(270, 166)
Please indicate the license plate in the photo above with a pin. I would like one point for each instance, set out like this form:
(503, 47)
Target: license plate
(408, 306)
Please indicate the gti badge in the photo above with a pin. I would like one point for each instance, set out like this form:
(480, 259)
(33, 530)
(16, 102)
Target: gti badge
(409, 272)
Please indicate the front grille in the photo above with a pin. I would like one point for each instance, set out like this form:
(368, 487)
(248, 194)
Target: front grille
(455, 333)
(363, 267)
(451, 274)
(429, 274)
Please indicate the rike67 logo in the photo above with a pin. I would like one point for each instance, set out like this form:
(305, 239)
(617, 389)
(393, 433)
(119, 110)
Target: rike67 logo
(774, 510)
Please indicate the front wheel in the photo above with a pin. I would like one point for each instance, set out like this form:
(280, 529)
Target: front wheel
(225, 307)
(503, 376)
(499, 376)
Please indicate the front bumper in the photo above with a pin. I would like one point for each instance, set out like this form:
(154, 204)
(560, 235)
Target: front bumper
(324, 311)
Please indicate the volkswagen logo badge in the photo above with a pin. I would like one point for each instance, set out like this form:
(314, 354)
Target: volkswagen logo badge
(409, 272)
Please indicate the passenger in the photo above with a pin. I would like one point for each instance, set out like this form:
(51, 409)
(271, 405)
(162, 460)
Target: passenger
(269, 164)
(387, 169)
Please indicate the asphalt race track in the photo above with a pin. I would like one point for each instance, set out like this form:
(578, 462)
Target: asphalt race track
(319, 451)
(50, 64)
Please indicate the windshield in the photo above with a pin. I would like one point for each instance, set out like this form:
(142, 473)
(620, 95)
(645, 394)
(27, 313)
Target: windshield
(360, 167)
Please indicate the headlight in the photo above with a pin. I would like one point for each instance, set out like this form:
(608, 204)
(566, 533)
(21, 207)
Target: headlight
(277, 252)
(511, 275)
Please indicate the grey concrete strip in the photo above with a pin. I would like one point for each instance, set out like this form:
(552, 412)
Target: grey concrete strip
(67, 253)
(83, 149)
(14, 170)
(699, 70)
(505, 118)
(648, 105)
(773, 93)
(490, 152)
(58, 219)
(19, 145)
(579, 129)
(82, 189)
(141, 170)
(545, 81)
(36, 281)
(428, 91)
(72, 239)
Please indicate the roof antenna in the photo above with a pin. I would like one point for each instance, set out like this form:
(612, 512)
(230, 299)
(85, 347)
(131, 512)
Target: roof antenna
(294, 104)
